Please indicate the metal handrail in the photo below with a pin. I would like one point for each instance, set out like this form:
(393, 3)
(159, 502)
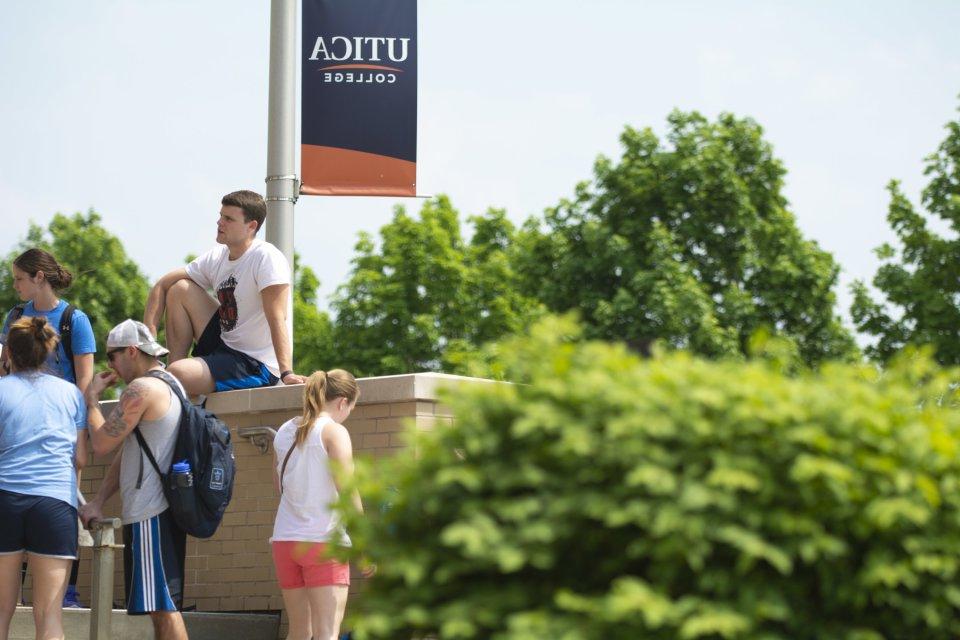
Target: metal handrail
(101, 598)
(260, 437)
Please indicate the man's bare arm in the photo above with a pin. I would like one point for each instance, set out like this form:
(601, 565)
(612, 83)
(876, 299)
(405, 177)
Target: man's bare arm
(110, 485)
(111, 480)
(275, 308)
(107, 434)
(157, 298)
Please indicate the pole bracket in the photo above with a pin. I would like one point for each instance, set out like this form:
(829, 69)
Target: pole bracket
(296, 189)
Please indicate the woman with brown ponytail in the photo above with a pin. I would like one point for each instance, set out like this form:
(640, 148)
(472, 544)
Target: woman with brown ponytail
(37, 278)
(42, 447)
(314, 587)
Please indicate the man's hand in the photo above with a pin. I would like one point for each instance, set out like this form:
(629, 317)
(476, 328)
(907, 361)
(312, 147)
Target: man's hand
(293, 378)
(90, 512)
(99, 384)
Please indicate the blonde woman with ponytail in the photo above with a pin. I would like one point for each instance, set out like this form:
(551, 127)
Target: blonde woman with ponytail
(314, 587)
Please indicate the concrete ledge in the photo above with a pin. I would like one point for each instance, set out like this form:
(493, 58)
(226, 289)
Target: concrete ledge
(379, 390)
(382, 389)
(410, 386)
(200, 626)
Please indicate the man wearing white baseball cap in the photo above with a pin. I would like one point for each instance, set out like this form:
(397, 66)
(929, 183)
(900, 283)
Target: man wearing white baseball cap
(131, 333)
(155, 547)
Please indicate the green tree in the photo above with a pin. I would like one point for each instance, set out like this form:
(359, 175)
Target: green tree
(108, 286)
(919, 281)
(669, 498)
(312, 329)
(689, 241)
(424, 299)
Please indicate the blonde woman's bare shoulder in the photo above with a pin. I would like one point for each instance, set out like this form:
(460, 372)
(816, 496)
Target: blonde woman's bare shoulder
(335, 434)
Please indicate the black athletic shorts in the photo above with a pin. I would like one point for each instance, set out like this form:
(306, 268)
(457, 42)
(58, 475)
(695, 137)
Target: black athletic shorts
(37, 524)
(154, 551)
(231, 369)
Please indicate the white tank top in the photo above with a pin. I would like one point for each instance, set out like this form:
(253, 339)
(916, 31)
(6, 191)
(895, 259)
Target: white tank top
(304, 513)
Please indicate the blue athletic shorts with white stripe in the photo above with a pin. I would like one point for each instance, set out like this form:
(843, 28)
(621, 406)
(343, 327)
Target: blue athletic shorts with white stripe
(153, 557)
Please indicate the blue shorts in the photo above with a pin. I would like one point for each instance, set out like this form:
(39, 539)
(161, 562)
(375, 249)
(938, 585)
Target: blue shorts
(39, 525)
(231, 369)
(154, 551)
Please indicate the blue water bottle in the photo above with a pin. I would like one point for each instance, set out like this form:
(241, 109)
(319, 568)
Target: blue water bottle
(182, 476)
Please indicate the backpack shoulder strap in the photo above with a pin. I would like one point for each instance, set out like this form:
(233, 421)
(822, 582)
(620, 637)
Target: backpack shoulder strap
(66, 333)
(145, 448)
(16, 313)
(172, 382)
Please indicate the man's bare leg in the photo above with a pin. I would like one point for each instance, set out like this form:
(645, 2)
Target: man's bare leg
(194, 375)
(188, 310)
(168, 625)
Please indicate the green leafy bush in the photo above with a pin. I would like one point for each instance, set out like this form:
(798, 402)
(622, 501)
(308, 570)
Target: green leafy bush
(611, 497)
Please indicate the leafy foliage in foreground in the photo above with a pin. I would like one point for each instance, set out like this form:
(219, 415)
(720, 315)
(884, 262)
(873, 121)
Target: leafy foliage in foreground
(609, 497)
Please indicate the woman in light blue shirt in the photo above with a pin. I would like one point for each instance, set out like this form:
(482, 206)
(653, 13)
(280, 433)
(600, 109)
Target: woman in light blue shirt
(42, 447)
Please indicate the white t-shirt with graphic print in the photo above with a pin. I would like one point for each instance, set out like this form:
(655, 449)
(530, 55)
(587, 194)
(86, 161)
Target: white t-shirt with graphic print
(237, 285)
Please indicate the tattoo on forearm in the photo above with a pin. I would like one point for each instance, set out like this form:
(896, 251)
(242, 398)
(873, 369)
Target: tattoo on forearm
(131, 402)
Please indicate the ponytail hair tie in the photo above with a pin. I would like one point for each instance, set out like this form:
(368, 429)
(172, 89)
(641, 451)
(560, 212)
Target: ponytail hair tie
(38, 324)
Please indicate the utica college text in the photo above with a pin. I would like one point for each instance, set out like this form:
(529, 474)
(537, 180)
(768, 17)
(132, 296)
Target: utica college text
(363, 50)
(368, 77)
(360, 49)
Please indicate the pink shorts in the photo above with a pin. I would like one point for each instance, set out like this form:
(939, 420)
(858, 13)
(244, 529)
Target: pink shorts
(301, 564)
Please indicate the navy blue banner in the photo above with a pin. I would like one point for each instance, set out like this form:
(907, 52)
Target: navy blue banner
(359, 97)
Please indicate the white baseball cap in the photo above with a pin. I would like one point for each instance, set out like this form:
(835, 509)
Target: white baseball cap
(131, 333)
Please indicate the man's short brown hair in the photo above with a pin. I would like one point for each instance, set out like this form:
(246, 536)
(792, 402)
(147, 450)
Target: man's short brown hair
(252, 203)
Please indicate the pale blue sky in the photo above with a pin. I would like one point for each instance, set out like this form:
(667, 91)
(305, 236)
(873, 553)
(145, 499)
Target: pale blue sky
(149, 111)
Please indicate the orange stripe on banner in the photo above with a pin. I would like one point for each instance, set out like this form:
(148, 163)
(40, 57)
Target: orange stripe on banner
(329, 171)
(359, 66)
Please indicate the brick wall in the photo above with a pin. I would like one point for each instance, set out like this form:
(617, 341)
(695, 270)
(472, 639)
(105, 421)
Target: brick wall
(233, 570)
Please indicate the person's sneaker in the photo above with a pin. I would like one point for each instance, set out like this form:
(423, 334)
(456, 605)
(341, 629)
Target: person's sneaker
(71, 599)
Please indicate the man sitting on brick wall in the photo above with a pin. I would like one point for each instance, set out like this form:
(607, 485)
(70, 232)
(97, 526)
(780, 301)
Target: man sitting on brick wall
(241, 337)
